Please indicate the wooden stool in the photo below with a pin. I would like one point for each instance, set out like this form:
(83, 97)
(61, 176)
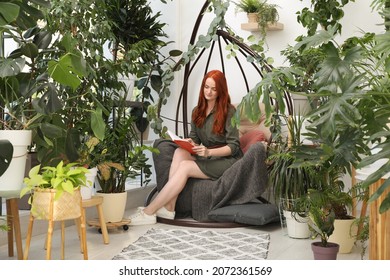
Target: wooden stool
(97, 201)
(81, 228)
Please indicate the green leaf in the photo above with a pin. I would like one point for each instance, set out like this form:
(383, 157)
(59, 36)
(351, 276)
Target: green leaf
(52, 131)
(156, 82)
(61, 72)
(68, 42)
(43, 39)
(175, 53)
(385, 205)
(6, 152)
(333, 68)
(30, 50)
(8, 13)
(11, 67)
(98, 125)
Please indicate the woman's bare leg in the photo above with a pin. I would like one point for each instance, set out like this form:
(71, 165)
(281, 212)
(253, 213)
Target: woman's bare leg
(186, 169)
(179, 156)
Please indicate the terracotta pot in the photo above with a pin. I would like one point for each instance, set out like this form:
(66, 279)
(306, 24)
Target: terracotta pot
(325, 253)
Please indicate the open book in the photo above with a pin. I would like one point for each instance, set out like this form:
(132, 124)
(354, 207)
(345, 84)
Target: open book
(183, 143)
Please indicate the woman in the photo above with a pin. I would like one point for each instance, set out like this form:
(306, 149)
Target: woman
(216, 147)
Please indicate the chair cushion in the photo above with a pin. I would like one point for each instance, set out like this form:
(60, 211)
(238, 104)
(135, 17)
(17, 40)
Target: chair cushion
(250, 214)
(250, 138)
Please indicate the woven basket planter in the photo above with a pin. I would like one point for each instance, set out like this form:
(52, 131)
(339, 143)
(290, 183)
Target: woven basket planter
(45, 207)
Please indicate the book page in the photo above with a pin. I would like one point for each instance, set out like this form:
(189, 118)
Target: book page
(173, 136)
(183, 143)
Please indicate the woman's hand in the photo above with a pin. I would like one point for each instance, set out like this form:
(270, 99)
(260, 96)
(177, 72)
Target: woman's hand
(201, 150)
(190, 141)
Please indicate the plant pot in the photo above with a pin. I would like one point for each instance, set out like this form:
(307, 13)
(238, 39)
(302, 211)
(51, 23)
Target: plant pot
(66, 207)
(301, 104)
(114, 205)
(297, 227)
(87, 190)
(252, 17)
(12, 179)
(325, 253)
(129, 82)
(344, 234)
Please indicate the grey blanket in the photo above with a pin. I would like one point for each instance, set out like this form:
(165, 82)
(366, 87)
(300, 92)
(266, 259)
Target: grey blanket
(243, 182)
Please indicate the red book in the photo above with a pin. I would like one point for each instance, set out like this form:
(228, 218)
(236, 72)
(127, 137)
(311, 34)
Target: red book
(183, 143)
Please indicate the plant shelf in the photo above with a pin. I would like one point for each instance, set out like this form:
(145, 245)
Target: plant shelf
(253, 26)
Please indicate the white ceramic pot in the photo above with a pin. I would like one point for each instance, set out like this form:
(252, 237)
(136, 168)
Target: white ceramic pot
(12, 179)
(87, 191)
(297, 227)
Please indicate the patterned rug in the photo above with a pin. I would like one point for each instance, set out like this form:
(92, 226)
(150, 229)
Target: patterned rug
(180, 244)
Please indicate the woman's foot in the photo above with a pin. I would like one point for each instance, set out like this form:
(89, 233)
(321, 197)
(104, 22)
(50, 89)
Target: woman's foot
(141, 218)
(166, 214)
(163, 213)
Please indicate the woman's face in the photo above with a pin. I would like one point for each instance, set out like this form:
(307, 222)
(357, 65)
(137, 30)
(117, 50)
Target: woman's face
(209, 90)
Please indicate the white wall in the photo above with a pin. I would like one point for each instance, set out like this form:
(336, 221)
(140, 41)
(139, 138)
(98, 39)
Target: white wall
(180, 15)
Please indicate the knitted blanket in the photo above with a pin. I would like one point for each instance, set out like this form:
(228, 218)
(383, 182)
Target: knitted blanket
(243, 182)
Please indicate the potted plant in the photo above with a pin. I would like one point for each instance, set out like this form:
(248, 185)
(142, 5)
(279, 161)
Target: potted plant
(87, 160)
(323, 205)
(351, 85)
(35, 94)
(54, 190)
(289, 181)
(260, 12)
(118, 158)
(19, 140)
(321, 223)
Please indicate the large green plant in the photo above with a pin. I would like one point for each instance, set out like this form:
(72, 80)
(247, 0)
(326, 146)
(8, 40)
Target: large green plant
(44, 81)
(322, 14)
(288, 180)
(352, 86)
(119, 156)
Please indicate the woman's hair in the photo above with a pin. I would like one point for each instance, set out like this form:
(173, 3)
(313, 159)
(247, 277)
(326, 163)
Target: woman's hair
(222, 102)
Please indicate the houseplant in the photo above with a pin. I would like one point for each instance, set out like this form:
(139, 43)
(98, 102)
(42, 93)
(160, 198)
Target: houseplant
(288, 181)
(55, 191)
(118, 158)
(259, 11)
(351, 84)
(323, 206)
(35, 88)
(321, 223)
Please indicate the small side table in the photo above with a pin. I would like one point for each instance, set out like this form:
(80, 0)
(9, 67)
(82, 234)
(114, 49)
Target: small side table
(98, 201)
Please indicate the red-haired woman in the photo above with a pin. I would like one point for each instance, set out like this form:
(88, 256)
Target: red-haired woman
(217, 147)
